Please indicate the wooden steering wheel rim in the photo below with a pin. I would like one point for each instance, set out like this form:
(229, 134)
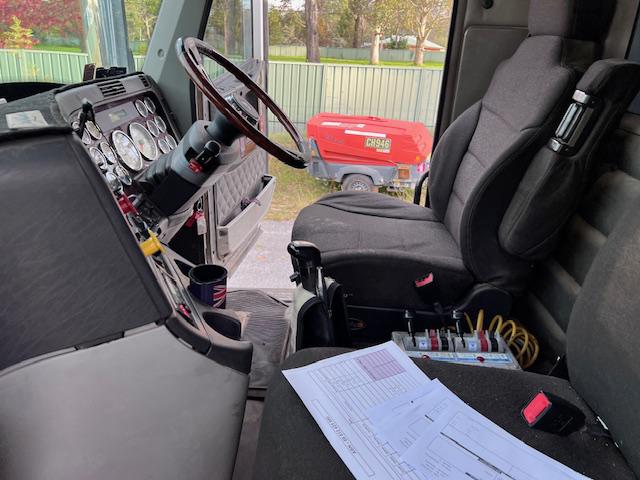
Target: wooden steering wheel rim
(190, 51)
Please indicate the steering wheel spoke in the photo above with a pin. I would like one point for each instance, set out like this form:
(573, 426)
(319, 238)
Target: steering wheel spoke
(235, 106)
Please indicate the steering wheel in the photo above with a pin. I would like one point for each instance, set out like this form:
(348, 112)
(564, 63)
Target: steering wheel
(239, 111)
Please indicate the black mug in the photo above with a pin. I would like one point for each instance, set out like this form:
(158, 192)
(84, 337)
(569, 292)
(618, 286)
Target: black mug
(208, 283)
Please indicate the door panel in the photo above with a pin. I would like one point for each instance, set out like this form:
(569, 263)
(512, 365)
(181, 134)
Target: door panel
(481, 39)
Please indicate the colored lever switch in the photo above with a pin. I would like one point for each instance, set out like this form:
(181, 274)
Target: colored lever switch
(151, 245)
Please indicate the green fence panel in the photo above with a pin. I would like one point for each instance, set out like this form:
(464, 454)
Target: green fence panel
(387, 55)
(303, 90)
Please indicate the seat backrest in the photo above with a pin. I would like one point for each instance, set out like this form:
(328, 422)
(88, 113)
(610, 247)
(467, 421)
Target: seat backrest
(603, 339)
(552, 292)
(482, 157)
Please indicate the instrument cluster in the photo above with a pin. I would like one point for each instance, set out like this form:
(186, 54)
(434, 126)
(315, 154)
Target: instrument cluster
(126, 138)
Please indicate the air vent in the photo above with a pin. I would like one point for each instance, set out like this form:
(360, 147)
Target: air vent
(111, 88)
(143, 79)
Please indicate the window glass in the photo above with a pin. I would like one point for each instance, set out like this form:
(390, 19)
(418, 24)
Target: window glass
(52, 40)
(228, 28)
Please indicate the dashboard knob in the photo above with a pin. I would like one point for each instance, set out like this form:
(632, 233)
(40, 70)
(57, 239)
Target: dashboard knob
(151, 245)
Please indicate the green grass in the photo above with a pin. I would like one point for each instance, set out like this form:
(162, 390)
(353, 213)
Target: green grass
(58, 48)
(342, 61)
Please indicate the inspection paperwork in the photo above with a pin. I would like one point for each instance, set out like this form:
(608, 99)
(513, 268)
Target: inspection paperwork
(387, 420)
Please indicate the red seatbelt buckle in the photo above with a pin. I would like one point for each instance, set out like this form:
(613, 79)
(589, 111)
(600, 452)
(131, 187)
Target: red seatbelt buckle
(425, 281)
(552, 414)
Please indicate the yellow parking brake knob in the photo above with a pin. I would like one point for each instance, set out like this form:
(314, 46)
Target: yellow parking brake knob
(151, 245)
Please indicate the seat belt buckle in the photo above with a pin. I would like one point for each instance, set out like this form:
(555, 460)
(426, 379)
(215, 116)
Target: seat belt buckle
(424, 281)
(552, 414)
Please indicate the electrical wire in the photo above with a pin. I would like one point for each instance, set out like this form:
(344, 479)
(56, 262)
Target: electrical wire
(522, 343)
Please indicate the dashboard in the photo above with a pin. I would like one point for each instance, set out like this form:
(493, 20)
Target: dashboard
(128, 136)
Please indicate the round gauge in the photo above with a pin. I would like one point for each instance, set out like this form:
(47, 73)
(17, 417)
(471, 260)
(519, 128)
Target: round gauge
(144, 141)
(93, 129)
(109, 154)
(153, 128)
(150, 105)
(114, 183)
(127, 150)
(122, 175)
(171, 142)
(75, 125)
(98, 158)
(164, 146)
(161, 125)
(141, 107)
(86, 138)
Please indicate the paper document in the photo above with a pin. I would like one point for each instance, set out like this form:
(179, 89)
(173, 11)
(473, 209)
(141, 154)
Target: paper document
(387, 420)
(459, 443)
(339, 391)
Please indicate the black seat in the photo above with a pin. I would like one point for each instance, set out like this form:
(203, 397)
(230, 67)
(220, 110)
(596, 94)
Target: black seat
(378, 246)
(603, 340)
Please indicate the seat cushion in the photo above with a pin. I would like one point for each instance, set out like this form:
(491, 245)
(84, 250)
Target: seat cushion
(377, 246)
(291, 444)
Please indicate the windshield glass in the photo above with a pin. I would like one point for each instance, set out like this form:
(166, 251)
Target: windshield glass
(52, 40)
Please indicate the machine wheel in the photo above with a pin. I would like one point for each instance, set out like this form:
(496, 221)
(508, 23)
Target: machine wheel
(358, 183)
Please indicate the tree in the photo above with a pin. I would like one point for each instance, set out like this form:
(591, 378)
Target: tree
(17, 36)
(141, 20)
(55, 17)
(429, 15)
(358, 9)
(382, 16)
(312, 15)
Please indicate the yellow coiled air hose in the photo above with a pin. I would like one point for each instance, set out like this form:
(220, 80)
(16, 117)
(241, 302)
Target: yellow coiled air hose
(523, 344)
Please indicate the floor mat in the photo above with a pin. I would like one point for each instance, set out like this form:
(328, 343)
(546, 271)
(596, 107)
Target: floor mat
(266, 328)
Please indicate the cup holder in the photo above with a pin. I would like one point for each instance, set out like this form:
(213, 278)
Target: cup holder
(224, 323)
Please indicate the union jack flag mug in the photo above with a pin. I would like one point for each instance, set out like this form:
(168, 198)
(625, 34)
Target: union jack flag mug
(208, 283)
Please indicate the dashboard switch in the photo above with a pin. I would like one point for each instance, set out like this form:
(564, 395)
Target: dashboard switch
(151, 245)
(126, 206)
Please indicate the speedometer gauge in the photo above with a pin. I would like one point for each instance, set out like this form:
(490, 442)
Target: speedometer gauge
(127, 150)
(141, 107)
(108, 152)
(144, 141)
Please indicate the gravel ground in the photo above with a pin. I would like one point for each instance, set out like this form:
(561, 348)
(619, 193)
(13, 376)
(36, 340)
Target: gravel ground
(268, 264)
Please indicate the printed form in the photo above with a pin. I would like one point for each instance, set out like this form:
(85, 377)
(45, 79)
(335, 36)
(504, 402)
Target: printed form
(339, 391)
(387, 420)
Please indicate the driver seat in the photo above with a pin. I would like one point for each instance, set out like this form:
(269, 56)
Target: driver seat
(378, 246)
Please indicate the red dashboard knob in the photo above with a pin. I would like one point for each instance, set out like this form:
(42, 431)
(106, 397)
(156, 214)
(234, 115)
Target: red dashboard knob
(126, 206)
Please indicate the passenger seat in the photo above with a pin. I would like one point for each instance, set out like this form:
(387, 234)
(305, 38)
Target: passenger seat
(603, 340)
(547, 304)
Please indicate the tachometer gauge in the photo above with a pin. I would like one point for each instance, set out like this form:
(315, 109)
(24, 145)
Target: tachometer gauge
(164, 146)
(127, 150)
(144, 141)
(153, 128)
(171, 142)
(93, 129)
(122, 175)
(141, 107)
(108, 152)
(98, 158)
(114, 184)
(161, 125)
(150, 105)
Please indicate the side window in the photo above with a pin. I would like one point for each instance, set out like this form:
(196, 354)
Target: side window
(228, 28)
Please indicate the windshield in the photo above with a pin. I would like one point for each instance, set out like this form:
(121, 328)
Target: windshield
(52, 40)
